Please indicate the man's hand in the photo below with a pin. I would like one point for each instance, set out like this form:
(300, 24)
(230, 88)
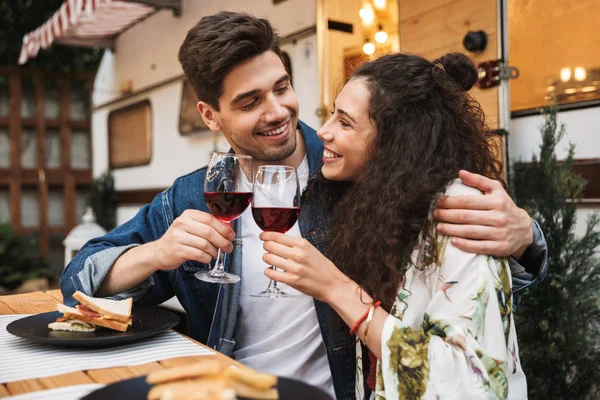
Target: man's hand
(195, 235)
(490, 224)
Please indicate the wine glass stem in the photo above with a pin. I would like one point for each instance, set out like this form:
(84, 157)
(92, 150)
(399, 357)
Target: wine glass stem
(219, 268)
(273, 283)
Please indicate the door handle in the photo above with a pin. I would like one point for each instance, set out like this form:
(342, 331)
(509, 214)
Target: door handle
(491, 73)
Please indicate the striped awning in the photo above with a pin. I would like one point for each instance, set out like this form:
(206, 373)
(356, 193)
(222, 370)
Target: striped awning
(90, 23)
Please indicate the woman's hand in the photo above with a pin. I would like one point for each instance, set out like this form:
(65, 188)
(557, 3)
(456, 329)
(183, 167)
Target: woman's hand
(310, 272)
(305, 268)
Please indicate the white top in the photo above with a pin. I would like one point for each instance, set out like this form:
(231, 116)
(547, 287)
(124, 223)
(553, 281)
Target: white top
(279, 336)
(451, 332)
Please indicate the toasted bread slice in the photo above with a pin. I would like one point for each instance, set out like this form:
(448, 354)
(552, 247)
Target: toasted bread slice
(196, 370)
(199, 394)
(243, 390)
(73, 313)
(252, 378)
(118, 310)
(187, 386)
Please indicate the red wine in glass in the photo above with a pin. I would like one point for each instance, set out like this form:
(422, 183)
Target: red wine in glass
(227, 206)
(227, 194)
(275, 219)
(275, 207)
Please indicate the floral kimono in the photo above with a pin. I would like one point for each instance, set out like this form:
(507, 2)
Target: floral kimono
(450, 333)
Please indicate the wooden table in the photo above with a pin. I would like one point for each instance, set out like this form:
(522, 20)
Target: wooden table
(40, 302)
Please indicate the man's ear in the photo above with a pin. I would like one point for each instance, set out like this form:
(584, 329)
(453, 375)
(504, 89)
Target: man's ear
(208, 114)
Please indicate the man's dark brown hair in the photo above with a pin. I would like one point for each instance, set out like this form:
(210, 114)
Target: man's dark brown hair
(217, 44)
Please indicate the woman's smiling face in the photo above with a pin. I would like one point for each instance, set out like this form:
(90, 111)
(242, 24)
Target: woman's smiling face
(347, 133)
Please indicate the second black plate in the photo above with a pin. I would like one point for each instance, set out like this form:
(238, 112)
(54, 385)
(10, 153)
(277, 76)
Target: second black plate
(137, 389)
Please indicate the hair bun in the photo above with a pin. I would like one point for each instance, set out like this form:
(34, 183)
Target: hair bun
(460, 69)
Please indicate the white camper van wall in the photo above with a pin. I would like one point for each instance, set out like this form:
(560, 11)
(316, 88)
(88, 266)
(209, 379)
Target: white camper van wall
(190, 121)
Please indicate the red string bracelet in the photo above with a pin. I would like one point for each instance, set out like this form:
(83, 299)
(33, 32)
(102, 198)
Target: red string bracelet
(363, 317)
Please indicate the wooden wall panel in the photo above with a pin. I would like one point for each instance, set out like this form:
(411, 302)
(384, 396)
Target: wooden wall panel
(434, 27)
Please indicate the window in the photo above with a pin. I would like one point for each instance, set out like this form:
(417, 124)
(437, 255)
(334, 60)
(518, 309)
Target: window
(4, 204)
(190, 120)
(554, 45)
(130, 136)
(45, 153)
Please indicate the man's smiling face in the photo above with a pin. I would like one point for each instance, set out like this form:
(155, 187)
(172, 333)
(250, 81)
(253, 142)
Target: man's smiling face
(258, 110)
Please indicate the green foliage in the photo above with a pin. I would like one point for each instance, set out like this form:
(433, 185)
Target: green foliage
(19, 259)
(558, 322)
(19, 17)
(103, 200)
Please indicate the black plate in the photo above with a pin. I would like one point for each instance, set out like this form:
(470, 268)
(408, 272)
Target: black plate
(145, 322)
(137, 389)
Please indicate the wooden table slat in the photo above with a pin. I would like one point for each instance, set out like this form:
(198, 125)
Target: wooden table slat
(110, 375)
(69, 379)
(29, 385)
(30, 303)
(4, 391)
(56, 294)
(5, 309)
(145, 369)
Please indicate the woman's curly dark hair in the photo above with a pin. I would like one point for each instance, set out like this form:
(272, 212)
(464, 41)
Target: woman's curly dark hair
(428, 128)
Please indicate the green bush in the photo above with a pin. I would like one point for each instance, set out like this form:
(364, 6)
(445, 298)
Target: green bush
(558, 322)
(19, 259)
(103, 200)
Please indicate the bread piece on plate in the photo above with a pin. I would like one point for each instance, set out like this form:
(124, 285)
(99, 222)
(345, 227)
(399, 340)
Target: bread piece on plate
(195, 370)
(195, 394)
(186, 386)
(118, 310)
(225, 394)
(252, 378)
(244, 390)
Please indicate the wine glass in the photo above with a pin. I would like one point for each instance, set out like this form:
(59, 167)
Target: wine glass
(275, 207)
(227, 192)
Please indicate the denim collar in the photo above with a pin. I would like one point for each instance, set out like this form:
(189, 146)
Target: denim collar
(314, 148)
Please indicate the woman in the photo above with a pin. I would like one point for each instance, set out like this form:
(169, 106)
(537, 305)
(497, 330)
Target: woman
(438, 320)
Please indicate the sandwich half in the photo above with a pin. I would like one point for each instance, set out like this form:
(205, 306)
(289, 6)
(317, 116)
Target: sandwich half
(92, 312)
(118, 310)
(77, 314)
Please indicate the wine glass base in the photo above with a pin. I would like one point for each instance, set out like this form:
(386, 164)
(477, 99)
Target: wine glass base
(225, 277)
(271, 293)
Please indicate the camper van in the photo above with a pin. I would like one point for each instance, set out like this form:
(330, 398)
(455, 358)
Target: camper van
(146, 130)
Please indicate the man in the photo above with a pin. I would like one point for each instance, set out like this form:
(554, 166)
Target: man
(233, 61)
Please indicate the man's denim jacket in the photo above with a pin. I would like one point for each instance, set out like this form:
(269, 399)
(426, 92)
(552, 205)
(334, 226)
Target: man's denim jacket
(212, 309)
